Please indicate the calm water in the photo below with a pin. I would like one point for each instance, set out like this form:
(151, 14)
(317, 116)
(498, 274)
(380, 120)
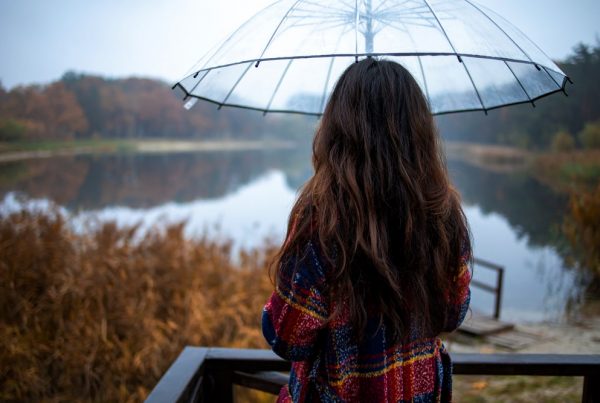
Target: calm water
(247, 195)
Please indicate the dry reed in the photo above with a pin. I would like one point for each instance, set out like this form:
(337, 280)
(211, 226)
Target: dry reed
(100, 316)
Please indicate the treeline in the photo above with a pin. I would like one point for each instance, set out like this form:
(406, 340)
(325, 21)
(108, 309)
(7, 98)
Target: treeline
(85, 107)
(557, 121)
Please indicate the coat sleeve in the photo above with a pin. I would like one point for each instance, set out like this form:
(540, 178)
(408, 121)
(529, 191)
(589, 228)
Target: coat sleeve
(298, 309)
(460, 294)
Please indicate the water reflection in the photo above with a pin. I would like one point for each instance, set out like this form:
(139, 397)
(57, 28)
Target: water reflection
(146, 180)
(532, 209)
(247, 196)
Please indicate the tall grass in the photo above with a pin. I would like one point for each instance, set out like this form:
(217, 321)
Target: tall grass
(582, 228)
(568, 172)
(100, 316)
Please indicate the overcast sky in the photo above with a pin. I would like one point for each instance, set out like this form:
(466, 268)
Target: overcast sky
(41, 39)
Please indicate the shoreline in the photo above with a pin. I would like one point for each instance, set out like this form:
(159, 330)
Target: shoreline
(483, 154)
(561, 171)
(10, 153)
(491, 157)
(581, 337)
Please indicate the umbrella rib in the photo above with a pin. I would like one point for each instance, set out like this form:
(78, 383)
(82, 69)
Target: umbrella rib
(317, 56)
(511, 39)
(457, 55)
(230, 37)
(199, 81)
(329, 73)
(412, 39)
(502, 30)
(475, 87)
(553, 79)
(234, 86)
(424, 79)
(277, 87)
(326, 84)
(520, 83)
(438, 113)
(275, 32)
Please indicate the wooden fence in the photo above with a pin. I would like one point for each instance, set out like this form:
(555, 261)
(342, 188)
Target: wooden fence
(208, 374)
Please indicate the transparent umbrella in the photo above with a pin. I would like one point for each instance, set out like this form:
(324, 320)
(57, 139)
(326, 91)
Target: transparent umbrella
(288, 56)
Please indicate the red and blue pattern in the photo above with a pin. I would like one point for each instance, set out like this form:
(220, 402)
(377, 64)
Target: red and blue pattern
(330, 365)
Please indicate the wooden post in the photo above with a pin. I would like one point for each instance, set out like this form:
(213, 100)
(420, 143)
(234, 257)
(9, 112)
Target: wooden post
(183, 380)
(499, 293)
(591, 389)
(222, 387)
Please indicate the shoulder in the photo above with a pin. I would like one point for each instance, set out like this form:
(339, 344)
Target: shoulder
(304, 263)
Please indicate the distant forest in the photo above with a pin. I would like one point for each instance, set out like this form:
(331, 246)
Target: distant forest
(526, 127)
(85, 107)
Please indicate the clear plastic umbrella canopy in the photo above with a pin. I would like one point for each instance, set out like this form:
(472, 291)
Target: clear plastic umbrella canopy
(288, 57)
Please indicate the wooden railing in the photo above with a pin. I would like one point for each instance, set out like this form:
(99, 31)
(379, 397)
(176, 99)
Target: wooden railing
(208, 374)
(497, 289)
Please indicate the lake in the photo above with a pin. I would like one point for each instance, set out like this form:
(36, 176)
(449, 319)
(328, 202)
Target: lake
(246, 196)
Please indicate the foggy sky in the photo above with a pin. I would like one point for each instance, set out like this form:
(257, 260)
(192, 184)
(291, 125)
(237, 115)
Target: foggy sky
(41, 39)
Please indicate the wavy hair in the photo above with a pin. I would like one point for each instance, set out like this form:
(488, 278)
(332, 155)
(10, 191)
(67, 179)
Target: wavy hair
(380, 205)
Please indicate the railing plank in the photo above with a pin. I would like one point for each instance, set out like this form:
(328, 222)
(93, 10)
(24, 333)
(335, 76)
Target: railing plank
(266, 381)
(526, 364)
(213, 371)
(484, 286)
(496, 290)
(181, 380)
(487, 264)
(246, 360)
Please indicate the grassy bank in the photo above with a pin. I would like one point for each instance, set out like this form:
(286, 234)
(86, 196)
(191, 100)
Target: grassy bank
(71, 145)
(12, 151)
(516, 389)
(568, 171)
(488, 155)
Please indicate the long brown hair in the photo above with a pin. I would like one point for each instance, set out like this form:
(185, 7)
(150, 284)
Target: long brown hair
(380, 205)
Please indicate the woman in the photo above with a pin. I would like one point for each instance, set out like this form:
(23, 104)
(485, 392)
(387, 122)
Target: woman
(375, 263)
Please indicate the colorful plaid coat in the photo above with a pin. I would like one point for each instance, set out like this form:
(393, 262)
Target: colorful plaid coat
(329, 365)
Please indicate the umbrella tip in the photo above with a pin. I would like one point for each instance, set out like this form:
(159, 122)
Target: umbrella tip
(174, 86)
(257, 63)
(190, 103)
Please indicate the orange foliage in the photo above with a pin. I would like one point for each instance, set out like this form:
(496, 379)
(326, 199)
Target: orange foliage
(102, 315)
(46, 112)
(582, 228)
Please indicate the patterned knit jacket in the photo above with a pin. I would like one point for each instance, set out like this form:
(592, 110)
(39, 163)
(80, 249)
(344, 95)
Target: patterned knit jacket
(329, 365)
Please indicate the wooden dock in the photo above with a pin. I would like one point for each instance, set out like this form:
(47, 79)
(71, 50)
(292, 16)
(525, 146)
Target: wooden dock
(480, 325)
(490, 327)
(497, 332)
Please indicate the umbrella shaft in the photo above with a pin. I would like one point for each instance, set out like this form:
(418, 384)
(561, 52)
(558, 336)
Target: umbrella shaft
(369, 28)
